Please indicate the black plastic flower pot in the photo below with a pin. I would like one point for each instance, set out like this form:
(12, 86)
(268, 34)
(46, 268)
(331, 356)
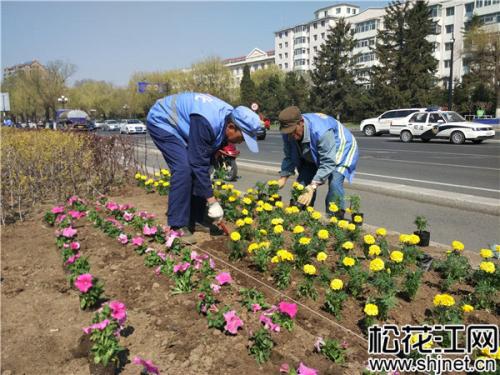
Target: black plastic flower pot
(339, 214)
(425, 237)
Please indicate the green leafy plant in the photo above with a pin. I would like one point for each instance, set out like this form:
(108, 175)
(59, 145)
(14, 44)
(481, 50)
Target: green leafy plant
(216, 319)
(262, 344)
(282, 275)
(105, 348)
(411, 283)
(331, 349)
(454, 268)
(421, 223)
(334, 301)
(251, 297)
(355, 203)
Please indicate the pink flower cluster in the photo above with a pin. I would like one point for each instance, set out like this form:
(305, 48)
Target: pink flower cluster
(123, 238)
(181, 267)
(224, 278)
(100, 326)
(172, 235)
(149, 231)
(199, 258)
(146, 216)
(127, 216)
(69, 232)
(118, 311)
(84, 282)
(233, 322)
(74, 199)
(72, 259)
(268, 323)
(76, 214)
(57, 210)
(148, 366)
(137, 241)
(289, 309)
(302, 370)
(111, 206)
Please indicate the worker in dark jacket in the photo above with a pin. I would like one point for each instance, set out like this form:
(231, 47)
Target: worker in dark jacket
(188, 128)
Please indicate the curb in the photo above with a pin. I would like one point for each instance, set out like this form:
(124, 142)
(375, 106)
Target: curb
(460, 201)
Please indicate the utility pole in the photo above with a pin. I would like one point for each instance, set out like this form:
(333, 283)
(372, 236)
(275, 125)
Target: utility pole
(450, 84)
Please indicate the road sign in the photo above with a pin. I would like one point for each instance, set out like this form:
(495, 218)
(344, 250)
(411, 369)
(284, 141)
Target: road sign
(4, 102)
(254, 107)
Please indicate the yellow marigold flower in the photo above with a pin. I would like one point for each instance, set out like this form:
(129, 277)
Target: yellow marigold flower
(265, 244)
(371, 309)
(249, 190)
(276, 221)
(358, 219)
(374, 250)
(278, 204)
(336, 284)
(244, 212)
(309, 269)
(309, 209)
(235, 236)
(157, 174)
(343, 224)
(488, 267)
(259, 209)
(397, 256)
(403, 238)
(150, 181)
(232, 198)
(467, 308)
(278, 229)
(164, 172)
(457, 245)
(275, 196)
(271, 199)
(166, 184)
(443, 300)
(487, 352)
(334, 220)
(267, 207)
(285, 255)
(292, 210)
(316, 215)
(348, 210)
(156, 183)
(298, 229)
(230, 186)
(272, 182)
(348, 245)
(248, 220)
(137, 176)
(497, 248)
(414, 239)
(144, 178)
(218, 183)
(321, 257)
(247, 201)
(332, 207)
(304, 241)
(351, 227)
(348, 261)
(486, 253)
(260, 203)
(298, 186)
(382, 232)
(323, 234)
(275, 259)
(240, 223)
(263, 232)
(252, 247)
(377, 264)
(236, 192)
(369, 239)
(225, 187)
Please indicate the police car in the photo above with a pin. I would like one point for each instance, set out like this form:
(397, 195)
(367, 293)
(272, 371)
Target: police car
(431, 124)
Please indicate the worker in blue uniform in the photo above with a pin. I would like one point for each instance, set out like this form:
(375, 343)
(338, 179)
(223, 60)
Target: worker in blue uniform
(188, 128)
(322, 150)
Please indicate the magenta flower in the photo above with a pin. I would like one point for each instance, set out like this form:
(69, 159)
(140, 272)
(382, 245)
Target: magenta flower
(158, 271)
(60, 218)
(69, 232)
(123, 239)
(57, 210)
(137, 241)
(162, 255)
(270, 311)
(149, 231)
(112, 206)
(118, 311)
(181, 267)
(256, 307)
(74, 245)
(148, 366)
(123, 207)
(100, 326)
(319, 343)
(171, 237)
(233, 322)
(269, 324)
(304, 370)
(224, 278)
(211, 263)
(289, 309)
(76, 214)
(285, 368)
(128, 216)
(72, 259)
(84, 282)
(215, 288)
(72, 199)
(65, 245)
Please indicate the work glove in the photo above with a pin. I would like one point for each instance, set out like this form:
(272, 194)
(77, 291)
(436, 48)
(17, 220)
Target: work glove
(306, 197)
(282, 181)
(215, 211)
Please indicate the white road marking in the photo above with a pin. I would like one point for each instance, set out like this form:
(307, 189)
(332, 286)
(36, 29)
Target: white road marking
(427, 152)
(429, 163)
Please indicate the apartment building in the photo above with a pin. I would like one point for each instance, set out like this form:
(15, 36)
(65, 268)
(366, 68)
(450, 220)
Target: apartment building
(257, 59)
(26, 67)
(298, 45)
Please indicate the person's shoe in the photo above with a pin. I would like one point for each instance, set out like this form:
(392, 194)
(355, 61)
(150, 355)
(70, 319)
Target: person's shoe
(210, 228)
(187, 237)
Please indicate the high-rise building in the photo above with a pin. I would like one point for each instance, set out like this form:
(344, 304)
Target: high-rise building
(27, 66)
(298, 45)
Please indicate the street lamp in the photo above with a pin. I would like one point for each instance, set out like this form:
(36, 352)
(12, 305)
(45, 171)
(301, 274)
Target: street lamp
(450, 83)
(63, 100)
(125, 109)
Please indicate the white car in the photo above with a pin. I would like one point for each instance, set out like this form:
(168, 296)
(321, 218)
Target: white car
(110, 125)
(132, 126)
(441, 125)
(381, 125)
(99, 124)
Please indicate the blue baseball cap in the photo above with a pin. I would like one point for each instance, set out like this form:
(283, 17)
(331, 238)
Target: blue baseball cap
(249, 123)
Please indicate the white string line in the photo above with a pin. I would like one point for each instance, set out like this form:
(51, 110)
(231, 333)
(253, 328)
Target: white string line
(281, 293)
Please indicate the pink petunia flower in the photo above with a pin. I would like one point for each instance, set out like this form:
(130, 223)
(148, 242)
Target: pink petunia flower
(285, 368)
(73, 199)
(118, 311)
(289, 309)
(215, 288)
(256, 307)
(149, 231)
(57, 210)
(84, 282)
(304, 370)
(233, 322)
(60, 218)
(172, 235)
(148, 366)
(123, 239)
(74, 245)
(158, 271)
(112, 206)
(137, 241)
(211, 263)
(319, 343)
(270, 311)
(72, 259)
(123, 207)
(65, 245)
(100, 326)
(162, 255)
(224, 278)
(181, 267)
(128, 216)
(69, 232)
(76, 214)
(269, 324)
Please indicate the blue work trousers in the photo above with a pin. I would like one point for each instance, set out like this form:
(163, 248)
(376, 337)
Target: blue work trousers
(184, 208)
(307, 170)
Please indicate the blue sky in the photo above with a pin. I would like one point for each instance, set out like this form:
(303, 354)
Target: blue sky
(111, 40)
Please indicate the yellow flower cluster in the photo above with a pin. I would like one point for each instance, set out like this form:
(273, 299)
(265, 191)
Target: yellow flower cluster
(321, 257)
(298, 186)
(309, 269)
(263, 232)
(244, 212)
(235, 236)
(333, 207)
(240, 223)
(374, 250)
(358, 219)
(343, 224)
(377, 264)
(457, 245)
(488, 267)
(369, 239)
(467, 308)
(227, 187)
(334, 220)
(489, 354)
(247, 201)
(277, 221)
(409, 239)
(278, 204)
(348, 245)
(252, 247)
(165, 172)
(371, 309)
(304, 241)
(292, 210)
(272, 183)
(278, 229)
(284, 255)
(348, 261)
(323, 234)
(298, 229)
(351, 227)
(444, 300)
(336, 284)
(267, 207)
(382, 232)
(397, 256)
(316, 215)
(149, 181)
(486, 253)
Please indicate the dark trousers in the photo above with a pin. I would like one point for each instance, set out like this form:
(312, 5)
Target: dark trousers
(184, 208)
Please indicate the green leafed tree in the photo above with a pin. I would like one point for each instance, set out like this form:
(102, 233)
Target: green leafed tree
(334, 88)
(248, 93)
(271, 96)
(296, 91)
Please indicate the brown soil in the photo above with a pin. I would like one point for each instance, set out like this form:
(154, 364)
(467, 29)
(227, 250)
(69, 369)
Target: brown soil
(41, 319)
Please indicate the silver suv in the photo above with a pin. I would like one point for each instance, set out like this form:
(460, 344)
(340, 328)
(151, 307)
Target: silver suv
(382, 124)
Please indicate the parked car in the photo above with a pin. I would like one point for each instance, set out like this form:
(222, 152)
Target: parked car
(132, 126)
(110, 125)
(261, 133)
(381, 125)
(98, 124)
(441, 125)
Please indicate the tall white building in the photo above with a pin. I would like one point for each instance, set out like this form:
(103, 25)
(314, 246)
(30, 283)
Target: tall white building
(256, 60)
(297, 46)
